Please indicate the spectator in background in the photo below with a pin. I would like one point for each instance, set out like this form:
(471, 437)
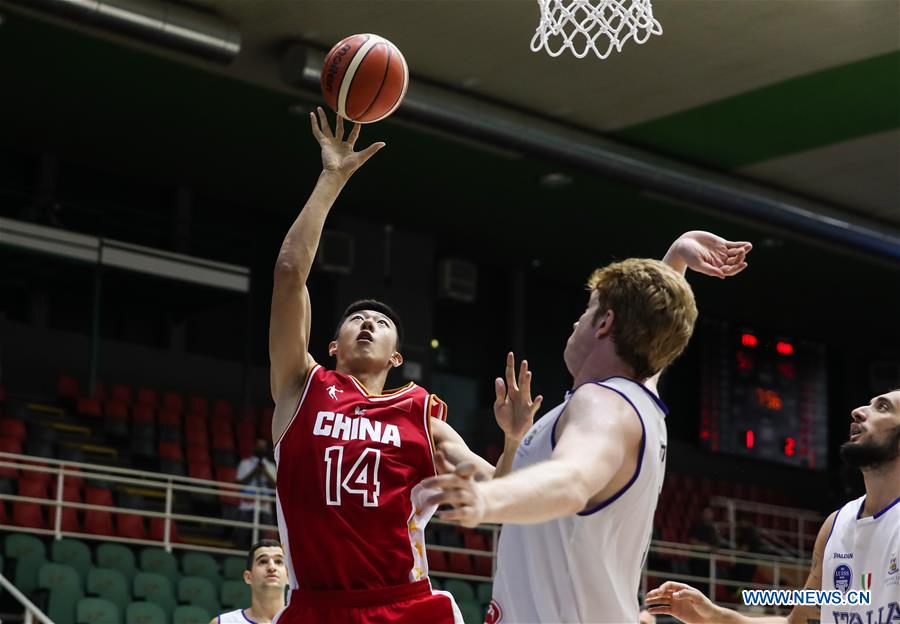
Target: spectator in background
(267, 576)
(704, 533)
(258, 471)
(747, 540)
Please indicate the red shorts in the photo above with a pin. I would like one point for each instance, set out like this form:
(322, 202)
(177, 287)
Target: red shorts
(414, 603)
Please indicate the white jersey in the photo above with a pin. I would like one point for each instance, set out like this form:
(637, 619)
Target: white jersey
(234, 617)
(864, 553)
(585, 567)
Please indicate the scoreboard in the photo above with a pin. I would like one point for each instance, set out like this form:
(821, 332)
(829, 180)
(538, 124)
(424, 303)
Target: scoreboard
(763, 396)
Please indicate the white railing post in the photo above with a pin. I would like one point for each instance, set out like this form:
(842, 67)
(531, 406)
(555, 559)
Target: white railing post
(167, 529)
(256, 506)
(776, 575)
(57, 522)
(732, 538)
(712, 576)
(495, 534)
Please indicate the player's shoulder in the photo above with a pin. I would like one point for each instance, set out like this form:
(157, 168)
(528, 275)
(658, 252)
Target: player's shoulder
(590, 397)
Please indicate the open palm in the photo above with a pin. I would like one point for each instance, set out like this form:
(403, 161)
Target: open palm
(513, 407)
(337, 154)
(706, 253)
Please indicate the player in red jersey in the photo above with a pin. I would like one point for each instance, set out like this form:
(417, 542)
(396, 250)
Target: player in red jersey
(350, 456)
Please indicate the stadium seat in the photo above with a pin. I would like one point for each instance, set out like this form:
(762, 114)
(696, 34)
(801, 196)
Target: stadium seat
(202, 565)
(157, 589)
(88, 407)
(158, 561)
(223, 441)
(235, 595)
(67, 388)
(147, 398)
(117, 557)
(223, 409)
(171, 450)
(226, 474)
(64, 587)
(116, 421)
(30, 514)
(13, 428)
(73, 553)
(144, 613)
(435, 583)
(173, 401)
(475, 540)
(158, 530)
(265, 423)
(109, 584)
(98, 522)
(461, 590)
(483, 565)
(187, 614)
(198, 405)
(27, 553)
(233, 568)
(460, 563)
(131, 526)
(200, 470)
(142, 413)
(471, 612)
(120, 392)
(97, 611)
(199, 592)
(484, 591)
(437, 560)
(10, 445)
(116, 409)
(169, 418)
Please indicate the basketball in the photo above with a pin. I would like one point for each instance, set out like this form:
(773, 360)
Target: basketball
(364, 78)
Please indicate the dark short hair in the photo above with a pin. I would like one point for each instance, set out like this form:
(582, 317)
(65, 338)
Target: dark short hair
(266, 543)
(376, 306)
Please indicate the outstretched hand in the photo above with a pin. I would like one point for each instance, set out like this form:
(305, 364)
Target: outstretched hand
(337, 154)
(706, 253)
(683, 602)
(513, 407)
(456, 486)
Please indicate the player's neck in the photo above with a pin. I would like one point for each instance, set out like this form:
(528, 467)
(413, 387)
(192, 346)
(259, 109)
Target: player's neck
(264, 608)
(373, 382)
(882, 486)
(601, 365)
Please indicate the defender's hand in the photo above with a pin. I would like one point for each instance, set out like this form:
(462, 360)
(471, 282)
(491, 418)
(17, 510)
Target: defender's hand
(706, 253)
(458, 489)
(337, 154)
(513, 407)
(683, 602)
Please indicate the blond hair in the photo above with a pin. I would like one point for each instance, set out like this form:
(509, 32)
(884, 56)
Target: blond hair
(654, 311)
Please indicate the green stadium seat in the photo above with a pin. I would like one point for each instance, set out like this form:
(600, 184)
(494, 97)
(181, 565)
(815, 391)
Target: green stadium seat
(145, 613)
(233, 568)
(97, 611)
(159, 561)
(64, 587)
(29, 553)
(119, 558)
(202, 564)
(110, 585)
(155, 588)
(235, 595)
(191, 615)
(198, 592)
(435, 583)
(72, 552)
(471, 612)
(483, 592)
(461, 590)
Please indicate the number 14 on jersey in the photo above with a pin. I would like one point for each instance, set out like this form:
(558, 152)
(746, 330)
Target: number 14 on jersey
(361, 480)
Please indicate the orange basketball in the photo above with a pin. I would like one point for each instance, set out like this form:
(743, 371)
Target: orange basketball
(364, 78)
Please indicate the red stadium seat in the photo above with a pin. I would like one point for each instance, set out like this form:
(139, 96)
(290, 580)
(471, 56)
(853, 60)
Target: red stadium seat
(158, 527)
(116, 409)
(45, 479)
(142, 413)
(170, 418)
(437, 561)
(475, 540)
(196, 422)
(200, 470)
(223, 441)
(10, 445)
(30, 514)
(98, 496)
(173, 401)
(88, 407)
(13, 428)
(69, 519)
(265, 423)
(131, 525)
(98, 522)
(119, 392)
(146, 396)
(198, 405)
(67, 388)
(460, 563)
(227, 475)
(99, 391)
(171, 450)
(483, 566)
(246, 429)
(223, 409)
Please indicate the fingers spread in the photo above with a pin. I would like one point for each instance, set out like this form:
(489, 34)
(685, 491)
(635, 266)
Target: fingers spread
(500, 391)
(315, 127)
(323, 122)
(339, 128)
(511, 373)
(354, 134)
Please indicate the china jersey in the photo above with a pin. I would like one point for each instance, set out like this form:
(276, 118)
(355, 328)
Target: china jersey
(864, 553)
(349, 467)
(585, 567)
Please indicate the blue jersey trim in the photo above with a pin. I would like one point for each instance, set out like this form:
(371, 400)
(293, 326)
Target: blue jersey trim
(245, 616)
(640, 459)
(877, 515)
(833, 524)
(656, 399)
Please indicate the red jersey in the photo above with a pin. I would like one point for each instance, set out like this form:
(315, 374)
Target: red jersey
(349, 468)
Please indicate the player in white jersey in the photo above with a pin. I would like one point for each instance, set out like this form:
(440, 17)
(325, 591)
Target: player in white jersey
(578, 506)
(858, 546)
(267, 577)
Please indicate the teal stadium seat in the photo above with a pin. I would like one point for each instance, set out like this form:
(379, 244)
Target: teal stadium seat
(159, 561)
(204, 565)
(235, 595)
(233, 568)
(145, 613)
(471, 612)
(199, 592)
(110, 585)
(64, 586)
(72, 552)
(461, 590)
(157, 589)
(117, 557)
(28, 554)
(97, 611)
(191, 615)
(483, 592)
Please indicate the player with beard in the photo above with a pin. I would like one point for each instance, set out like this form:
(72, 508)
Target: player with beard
(858, 546)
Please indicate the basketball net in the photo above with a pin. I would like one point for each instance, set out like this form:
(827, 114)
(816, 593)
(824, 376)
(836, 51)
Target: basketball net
(593, 25)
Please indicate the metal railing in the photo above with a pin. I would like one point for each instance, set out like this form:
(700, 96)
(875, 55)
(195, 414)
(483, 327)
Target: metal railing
(31, 611)
(797, 542)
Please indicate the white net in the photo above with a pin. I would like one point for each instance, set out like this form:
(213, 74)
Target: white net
(601, 26)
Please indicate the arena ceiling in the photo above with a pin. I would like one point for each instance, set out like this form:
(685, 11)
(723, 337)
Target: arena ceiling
(801, 95)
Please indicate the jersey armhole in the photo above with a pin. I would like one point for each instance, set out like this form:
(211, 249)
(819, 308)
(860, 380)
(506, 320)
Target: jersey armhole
(310, 375)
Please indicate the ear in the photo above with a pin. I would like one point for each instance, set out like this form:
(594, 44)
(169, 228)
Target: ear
(332, 348)
(603, 326)
(396, 359)
(248, 578)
